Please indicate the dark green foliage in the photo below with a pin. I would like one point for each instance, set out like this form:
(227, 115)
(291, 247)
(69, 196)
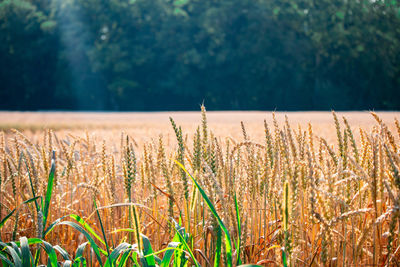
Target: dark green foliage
(164, 54)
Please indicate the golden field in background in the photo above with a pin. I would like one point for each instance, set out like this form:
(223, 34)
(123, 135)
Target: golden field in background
(147, 125)
(323, 190)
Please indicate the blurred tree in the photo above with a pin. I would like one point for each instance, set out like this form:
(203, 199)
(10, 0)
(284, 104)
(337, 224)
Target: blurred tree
(173, 54)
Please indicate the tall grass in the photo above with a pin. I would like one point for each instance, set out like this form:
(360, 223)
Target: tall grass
(203, 200)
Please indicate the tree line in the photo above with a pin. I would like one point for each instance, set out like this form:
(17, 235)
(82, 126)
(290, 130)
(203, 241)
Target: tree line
(174, 54)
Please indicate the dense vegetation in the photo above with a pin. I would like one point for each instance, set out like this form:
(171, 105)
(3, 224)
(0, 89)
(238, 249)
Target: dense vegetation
(173, 54)
(293, 199)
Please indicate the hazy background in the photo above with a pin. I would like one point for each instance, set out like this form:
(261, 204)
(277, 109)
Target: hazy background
(147, 55)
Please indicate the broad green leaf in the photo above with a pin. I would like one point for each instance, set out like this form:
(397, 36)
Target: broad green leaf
(79, 250)
(147, 250)
(51, 253)
(16, 258)
(16, 248)
(25, 251)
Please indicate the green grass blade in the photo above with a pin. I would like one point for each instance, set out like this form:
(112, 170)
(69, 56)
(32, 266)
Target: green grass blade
(79, 250)
(31, 241)
(63, 253)
(284, 259)
(6, 218)
(111, 261)
(185, 244)
(147, 250)
(134, 258)
(228, 242)
(49, 190)
(168, 254)
(239, 226)
(51, 253)
(124, 257)
(88, 237)
(16, 258)
(31, 200)
(16, 248)
(87, 227)
(78, 261)
(5, 260)
(102, 228)
(31, 184)
(79, 220)
(25, 251)
(217, 258)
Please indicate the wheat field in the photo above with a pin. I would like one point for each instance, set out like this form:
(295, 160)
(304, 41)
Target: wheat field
(200, 189)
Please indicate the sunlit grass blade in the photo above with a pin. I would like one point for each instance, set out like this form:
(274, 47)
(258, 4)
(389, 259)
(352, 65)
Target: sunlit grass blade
(79, 220)
(228, 242)
(181, 239)
(49, 190)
